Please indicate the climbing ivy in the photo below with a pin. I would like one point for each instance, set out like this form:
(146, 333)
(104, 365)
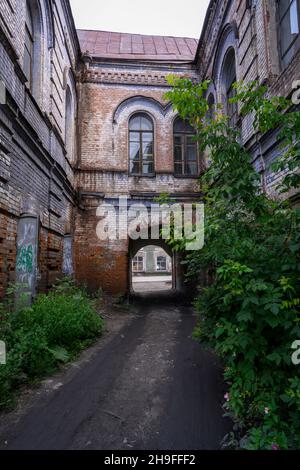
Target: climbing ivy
(249, 304)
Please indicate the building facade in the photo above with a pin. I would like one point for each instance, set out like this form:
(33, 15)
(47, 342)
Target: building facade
(85, 121)
(251, 40)
(127, 143)
(39, 50)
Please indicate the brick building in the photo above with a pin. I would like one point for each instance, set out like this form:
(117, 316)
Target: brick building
(85, 121)
(245, 40)
(126, 139)
(39, 50)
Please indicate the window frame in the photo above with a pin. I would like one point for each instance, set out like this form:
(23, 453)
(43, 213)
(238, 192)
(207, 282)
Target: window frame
(228, 79)
(141, 160)
(29, 34)
(295, 42)
(137, 259)
(158, 265)
(184, 146)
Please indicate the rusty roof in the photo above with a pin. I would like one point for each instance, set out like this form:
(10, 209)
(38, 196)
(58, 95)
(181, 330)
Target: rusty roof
(110, 45)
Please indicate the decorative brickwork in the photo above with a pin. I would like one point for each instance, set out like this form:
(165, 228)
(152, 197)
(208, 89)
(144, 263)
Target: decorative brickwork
(64, 144)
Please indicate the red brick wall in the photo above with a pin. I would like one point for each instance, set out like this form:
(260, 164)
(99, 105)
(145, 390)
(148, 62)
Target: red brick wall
(99, 264)
(108, 98)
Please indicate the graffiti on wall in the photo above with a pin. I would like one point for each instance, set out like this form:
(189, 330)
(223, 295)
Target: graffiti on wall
(26, 264)
(67, 267)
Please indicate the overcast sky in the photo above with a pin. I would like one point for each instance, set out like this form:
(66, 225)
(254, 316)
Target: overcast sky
(159, 17)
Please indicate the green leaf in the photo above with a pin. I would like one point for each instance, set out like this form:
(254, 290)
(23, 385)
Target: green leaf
(244, 316)
(60, 354)
(275, 357)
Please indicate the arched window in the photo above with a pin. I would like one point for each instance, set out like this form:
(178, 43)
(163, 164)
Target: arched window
(33, 47)
(29, 45)
(185, 149)
(69, 124)
(229, 78)
(141, 144)
(289, 38)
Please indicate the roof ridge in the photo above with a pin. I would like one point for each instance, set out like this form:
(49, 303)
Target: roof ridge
(137, 34)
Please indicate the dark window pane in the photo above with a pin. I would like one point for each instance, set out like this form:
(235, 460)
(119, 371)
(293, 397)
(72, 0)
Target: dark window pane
(178, 154)
(190, 140)
(183, 126)
(232, 110)
(283, 6)
(178, 169)
(134, 167)
(27, 65)
(229, 70)
(191, 153)
(191, 169)
(289, 28)
(178, 139)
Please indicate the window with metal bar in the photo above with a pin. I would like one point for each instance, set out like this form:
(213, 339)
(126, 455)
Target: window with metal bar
(141, 145)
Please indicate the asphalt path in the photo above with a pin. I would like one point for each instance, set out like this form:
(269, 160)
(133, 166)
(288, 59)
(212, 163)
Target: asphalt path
(151, 387)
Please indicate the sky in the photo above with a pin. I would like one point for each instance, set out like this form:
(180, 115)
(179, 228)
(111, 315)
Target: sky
(183, 18)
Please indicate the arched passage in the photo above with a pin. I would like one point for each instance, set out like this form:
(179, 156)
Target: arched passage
(174, 274)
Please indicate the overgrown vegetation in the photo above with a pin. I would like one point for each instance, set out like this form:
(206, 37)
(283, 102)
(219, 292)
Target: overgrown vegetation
(249, 307)
(41, 337)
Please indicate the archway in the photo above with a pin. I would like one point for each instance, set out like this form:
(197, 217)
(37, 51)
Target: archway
(171, 279)
(152, 270)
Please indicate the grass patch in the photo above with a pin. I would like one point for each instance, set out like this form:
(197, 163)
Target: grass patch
(41, 337)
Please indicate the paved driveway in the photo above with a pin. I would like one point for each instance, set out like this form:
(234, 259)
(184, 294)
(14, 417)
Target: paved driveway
(149, 386)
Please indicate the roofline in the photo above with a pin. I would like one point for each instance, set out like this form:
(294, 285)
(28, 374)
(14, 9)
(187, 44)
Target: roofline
(142, 61)
(137, 34)
(204, 28)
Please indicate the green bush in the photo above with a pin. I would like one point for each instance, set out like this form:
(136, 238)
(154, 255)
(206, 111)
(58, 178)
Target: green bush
(249, 307)
(38, 338)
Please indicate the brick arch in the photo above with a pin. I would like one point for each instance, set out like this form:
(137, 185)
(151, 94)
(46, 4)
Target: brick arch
(144, 103)
(161, 116)
(136, 245)
(228, 40)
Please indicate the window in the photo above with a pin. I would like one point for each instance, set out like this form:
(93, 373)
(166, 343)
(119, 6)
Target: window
(141, 145)
(211, 107)
(229, 78)
(33, 53)
(161, 263)
(288, 13)
(185, 149)
(29, 44)
(138, 264)
(69, 124)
